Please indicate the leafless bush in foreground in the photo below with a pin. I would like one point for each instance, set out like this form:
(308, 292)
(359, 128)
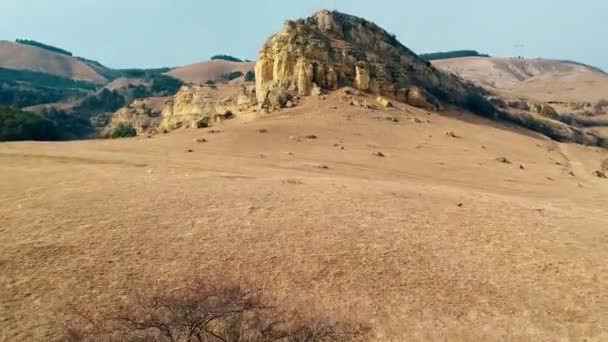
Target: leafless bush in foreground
(201, 313)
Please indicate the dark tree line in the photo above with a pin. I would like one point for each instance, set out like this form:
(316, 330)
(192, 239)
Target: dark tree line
(44, 46)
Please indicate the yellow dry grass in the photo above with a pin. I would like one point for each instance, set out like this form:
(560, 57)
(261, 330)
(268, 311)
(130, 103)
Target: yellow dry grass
(435, 241)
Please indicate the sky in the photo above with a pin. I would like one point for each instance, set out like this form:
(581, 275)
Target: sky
(165, 33)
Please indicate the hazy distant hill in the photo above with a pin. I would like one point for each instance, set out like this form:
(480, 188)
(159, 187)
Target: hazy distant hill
(539, 79)
(209, 70)
(27, 57)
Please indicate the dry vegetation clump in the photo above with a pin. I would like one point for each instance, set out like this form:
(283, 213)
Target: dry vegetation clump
(200, 312)
(601, 106)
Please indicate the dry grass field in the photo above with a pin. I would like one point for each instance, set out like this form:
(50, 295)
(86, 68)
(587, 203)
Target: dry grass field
(434, 240)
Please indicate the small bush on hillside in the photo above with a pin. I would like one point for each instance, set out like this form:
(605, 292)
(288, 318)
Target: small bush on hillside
(229, 76)
(250, 76)
(201, 312)
(600, 106)
(123, 130)
(226, 58)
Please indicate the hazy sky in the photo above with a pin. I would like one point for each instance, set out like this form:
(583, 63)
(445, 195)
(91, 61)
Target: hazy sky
(156, 33)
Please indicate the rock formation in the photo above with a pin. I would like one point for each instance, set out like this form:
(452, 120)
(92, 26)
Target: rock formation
(143, 115)
(193, 106)
(332, 50)
(197, 106)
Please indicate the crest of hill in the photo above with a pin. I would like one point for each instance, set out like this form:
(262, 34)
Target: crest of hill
(211, 70)
(27, 57)
(539, 79)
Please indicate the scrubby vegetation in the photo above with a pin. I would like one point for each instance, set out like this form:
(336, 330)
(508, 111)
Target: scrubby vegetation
(90, 61)
(229, 76)
(44, 46)
(50, 125)
(250, 76)
(162, 85)
(226, 58)
(42, 79)
(601, 106)
(202, 312)
(104, 101)
(24, 88)
(451, 54)
(14, 95)
(143, 72)
(123, 130)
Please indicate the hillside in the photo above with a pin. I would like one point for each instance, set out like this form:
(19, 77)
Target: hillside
(27, 57)
(354, 182)
(200, 73)
(436, 238)
(538, 79)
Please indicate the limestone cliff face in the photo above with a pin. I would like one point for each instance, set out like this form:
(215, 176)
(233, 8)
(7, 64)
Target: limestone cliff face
(193, 106)
(332, 49)
(143, 115)
(197, 106)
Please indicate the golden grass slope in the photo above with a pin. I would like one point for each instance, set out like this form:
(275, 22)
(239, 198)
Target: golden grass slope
(436, 240)
(537, 79)
(200, 73)
(21, 56)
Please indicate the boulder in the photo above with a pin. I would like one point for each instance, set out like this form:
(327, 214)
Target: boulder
(384, 102)
(418, 97)
(143, 115)
(196, 106)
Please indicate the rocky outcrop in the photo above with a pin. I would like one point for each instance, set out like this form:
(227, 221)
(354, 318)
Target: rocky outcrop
(143, 115)
(332, 49)
(196, 106)
(192, 107)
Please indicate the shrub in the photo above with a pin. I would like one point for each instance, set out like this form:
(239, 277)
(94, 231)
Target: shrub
(226, 58)
(200, 312)
(123, 130)
(229, 76)
(600, 106)
(250, 76)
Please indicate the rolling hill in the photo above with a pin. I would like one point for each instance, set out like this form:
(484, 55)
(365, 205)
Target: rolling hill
(27, 57)
(537, 79)
(209, 70)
